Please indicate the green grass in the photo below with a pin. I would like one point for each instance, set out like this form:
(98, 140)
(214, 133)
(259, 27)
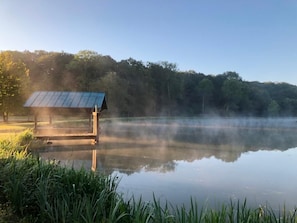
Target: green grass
(32, 190)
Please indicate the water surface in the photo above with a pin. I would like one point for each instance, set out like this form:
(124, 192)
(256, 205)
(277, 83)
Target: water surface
(210, 160)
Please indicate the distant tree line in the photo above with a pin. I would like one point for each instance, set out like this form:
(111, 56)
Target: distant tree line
(134, 88)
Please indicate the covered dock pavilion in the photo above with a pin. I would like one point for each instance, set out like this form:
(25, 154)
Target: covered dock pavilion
(64, 103)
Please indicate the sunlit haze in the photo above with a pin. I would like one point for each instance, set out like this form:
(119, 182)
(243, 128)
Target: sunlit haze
(257, 39)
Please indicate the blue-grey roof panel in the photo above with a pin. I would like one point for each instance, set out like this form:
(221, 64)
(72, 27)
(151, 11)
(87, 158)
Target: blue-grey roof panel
(75, 101)
(84, 100)
(43, 98)
(92, 99)
(61, 99)
(52, 102)
(31, 100)
(68, 101)
(56, 99)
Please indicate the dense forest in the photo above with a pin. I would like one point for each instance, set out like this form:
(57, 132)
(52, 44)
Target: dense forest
(134, 88)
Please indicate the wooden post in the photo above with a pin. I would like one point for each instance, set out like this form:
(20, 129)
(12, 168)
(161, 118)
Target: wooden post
(35, 122)
(50, 120)
(90, 123)
(94, 159)
(96, 130)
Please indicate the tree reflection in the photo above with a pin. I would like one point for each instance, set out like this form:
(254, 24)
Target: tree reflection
(131, 147)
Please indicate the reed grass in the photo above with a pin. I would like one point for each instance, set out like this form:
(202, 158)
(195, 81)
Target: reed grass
(32, 190)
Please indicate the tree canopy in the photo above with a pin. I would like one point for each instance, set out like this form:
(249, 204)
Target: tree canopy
(13, 82)
(135, 88)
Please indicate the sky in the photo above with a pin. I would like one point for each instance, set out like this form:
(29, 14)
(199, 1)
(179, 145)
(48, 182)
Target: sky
(255, 38)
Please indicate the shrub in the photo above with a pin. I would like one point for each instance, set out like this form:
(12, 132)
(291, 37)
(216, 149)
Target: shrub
(52, 193)
(25, 138)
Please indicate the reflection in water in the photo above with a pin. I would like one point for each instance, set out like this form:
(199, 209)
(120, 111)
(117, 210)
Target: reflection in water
(127, 156)
(209, 159)
(254, 176)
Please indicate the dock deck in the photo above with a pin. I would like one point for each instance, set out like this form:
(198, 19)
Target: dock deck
(65, 136)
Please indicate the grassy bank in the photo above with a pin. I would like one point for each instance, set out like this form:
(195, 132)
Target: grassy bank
(32, 190)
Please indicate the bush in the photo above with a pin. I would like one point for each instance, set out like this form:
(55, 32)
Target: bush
(51, 193)
(25, 138)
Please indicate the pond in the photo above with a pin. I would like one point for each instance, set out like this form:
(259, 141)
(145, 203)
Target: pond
(211, 160)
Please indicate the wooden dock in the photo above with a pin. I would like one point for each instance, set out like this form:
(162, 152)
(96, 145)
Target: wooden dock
(66, 136)
(50, 133)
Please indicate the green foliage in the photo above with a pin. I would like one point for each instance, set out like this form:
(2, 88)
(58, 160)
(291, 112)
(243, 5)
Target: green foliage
(134, 88)
(206, 88)
(17, 145)
(51, 193)
(234, 93)
(273, 108)
(13, 80)
(25, 138)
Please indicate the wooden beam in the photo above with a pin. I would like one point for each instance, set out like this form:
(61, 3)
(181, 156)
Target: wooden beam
(35, 122)
(66, 136)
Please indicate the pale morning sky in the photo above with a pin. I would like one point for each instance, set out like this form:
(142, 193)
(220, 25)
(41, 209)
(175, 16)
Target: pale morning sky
(256, 38)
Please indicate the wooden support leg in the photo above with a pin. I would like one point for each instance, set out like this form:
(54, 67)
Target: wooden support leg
(90, 123)
(96, 130)
(50, 120)
(35, 122)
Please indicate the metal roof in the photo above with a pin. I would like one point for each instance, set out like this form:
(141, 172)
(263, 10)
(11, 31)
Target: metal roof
(56, 99)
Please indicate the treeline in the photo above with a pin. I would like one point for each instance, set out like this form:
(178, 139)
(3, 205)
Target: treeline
(134, 88)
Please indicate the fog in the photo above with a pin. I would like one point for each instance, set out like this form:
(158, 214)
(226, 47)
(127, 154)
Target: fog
(156, 143)
(252, 133)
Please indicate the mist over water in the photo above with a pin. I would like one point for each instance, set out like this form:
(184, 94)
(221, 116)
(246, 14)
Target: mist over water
(248, 132)
(211, 159)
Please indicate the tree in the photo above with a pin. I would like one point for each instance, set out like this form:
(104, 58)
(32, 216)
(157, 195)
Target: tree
(231, 75)
(139, 84)
(259, 99)
(116, 93)
(166, 87)
(233, 93)
(190, 93)
(13, 81)
(87, 66)
(273, 108)
(206, 88)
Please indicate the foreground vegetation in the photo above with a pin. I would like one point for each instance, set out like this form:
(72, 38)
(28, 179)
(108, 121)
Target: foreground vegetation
(32, 190)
